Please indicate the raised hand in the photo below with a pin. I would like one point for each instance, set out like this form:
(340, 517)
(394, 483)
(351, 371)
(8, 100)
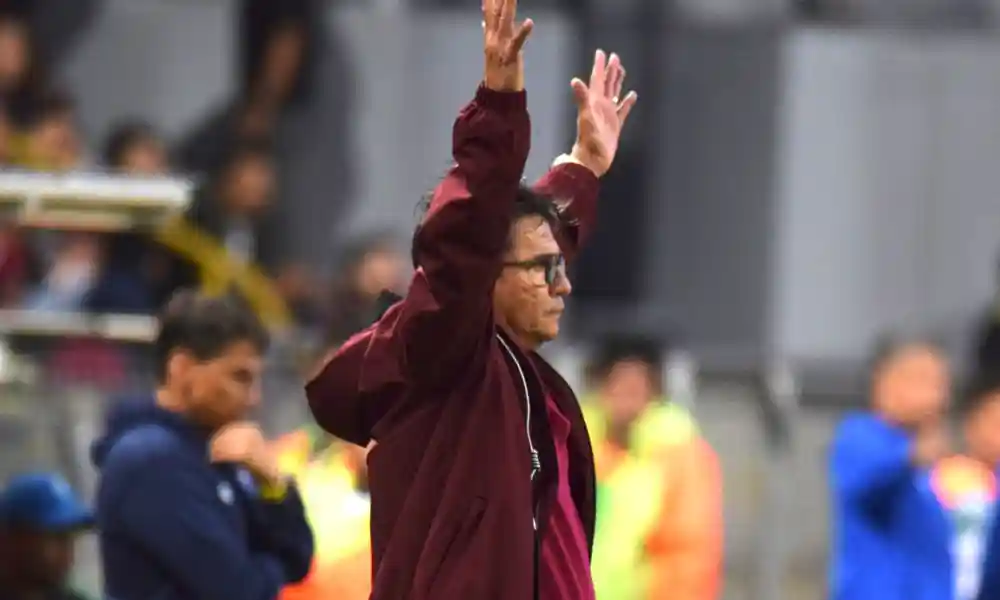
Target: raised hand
(244, 443)
(601, 113)
(502, 44)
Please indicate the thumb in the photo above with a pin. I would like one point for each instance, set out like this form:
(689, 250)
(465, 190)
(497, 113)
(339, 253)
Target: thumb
(580, 91)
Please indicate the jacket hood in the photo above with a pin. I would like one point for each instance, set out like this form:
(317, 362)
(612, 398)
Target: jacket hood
(355, 385)
(127, 414)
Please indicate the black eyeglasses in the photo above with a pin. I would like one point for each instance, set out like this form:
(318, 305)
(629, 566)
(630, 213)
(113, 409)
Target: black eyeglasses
(553, 265)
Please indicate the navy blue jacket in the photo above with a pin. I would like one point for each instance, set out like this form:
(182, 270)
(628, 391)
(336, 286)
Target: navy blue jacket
(174, 526)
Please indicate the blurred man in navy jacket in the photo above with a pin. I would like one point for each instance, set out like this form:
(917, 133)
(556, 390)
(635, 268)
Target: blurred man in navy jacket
(191, 503)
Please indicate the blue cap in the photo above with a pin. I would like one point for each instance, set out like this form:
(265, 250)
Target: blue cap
(43, 502)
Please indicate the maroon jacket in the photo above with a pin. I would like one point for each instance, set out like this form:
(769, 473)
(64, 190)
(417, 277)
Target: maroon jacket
(450, 478)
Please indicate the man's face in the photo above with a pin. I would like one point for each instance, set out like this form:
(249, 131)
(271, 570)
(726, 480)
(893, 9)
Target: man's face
(380, 270)
(912, 387)
(14, 55)
(627, 391)
(982, 429)
(45, 559)
(524, 302)
(55, 142)
(145, 157)
(224, 389)
(250, 185)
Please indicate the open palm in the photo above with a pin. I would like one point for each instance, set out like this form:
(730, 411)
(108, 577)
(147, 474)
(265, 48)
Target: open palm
(601, 112)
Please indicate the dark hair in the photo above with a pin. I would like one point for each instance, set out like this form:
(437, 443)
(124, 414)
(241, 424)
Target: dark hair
(245, 149)
(979, 390)
(205, 326)
(357, 249)
(889, 346)
(52, 103)
(528, 203)
(123, 137)
(617, 349)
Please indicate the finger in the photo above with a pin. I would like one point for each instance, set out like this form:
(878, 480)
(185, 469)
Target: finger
(520, 37)
(611, 75)
(580, 91)
(626, 106)
(620, 84)
(617, 77)
(508, 10)
(490, 12)
(597, 73)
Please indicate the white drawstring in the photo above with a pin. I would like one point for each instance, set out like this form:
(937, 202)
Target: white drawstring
(536, 462)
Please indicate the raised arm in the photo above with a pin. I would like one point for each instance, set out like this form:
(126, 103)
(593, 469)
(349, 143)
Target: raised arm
(447, 315)
(573, 179)
(869, 461)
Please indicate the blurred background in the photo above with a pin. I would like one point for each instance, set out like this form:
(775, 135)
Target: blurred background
(799, 176)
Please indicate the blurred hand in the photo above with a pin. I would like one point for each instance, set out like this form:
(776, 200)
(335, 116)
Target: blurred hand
(931, 444)
(601, 113)
(502, 44)
(244, 443)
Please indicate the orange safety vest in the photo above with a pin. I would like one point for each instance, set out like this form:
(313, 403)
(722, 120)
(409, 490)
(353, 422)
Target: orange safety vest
(659, 511)
(339, 517)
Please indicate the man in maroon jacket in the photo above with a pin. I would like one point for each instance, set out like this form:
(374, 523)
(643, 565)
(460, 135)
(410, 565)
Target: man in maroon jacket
(482, 476)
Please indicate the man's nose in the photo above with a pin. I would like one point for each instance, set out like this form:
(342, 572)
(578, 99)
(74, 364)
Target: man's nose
(562, 285)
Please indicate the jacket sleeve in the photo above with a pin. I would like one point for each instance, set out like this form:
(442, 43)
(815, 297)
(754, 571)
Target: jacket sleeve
(283, 532)
(175, 515)
(685, 550)
(575, 189)
(447, 316)
(868, 462)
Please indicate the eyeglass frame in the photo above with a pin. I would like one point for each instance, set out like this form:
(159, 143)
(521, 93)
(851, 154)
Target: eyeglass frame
(553, 266)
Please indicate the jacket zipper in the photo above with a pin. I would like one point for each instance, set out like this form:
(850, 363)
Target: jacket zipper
(536, 462)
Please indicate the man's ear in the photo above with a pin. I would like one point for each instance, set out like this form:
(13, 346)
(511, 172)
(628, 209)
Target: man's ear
(179, 364)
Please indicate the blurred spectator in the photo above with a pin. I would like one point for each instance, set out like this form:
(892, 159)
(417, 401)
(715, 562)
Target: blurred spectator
(278, 51)
(71, 275)
(204, 151)
(13, 266)
(278, 54)
(227, 242)
(135, 148)
(278, 47)
(371, 265)
(980, 551)
(20, 71)
(235, 209)
(40, 519)
(50, 140)
(660, 522)
(134, 278)
(965, 488)
(877, 458)
(333, 481)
